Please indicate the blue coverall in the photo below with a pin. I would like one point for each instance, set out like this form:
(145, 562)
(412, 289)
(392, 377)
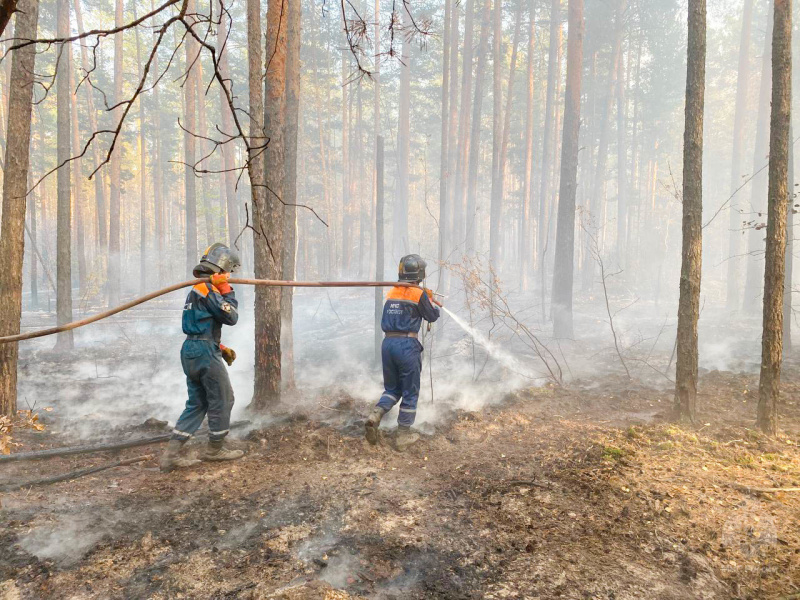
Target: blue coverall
(210, 391)
(403, 312)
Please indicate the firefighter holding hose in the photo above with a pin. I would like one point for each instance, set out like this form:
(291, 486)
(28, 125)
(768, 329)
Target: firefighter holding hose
(401, 351)
(208, 307)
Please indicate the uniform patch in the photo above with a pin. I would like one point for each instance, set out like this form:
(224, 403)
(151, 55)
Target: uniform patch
(226, 307)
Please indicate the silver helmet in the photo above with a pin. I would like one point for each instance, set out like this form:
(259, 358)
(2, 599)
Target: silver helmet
(216, 259)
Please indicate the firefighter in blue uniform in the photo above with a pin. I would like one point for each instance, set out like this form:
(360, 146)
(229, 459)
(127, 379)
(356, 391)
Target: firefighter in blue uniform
(401, 351)
(208, 307)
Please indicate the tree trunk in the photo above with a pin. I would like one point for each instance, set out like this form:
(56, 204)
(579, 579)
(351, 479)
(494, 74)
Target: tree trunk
(400, 215)
(78, 179)
(475, 135)
(755, 212)
(443, 149)
(787, 286)
(189, 144)
(565, 231)
(290, 186)
(203, 151)
(142, 176)
(34, 304)
(549, 116)
(158, 196)
(15, 186)
(691, 254)
(379, 262)
(116, 157)
(497, 134)
(462, 158)
(737, 176)
(771, 355)
(229, 161)
(268, 215)
(346, 198)
(622, 152)
(64, 340)
(526, 249)
(447, 218)
(497, 208)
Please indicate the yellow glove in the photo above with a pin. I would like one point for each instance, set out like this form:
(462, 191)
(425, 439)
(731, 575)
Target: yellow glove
(228, 355)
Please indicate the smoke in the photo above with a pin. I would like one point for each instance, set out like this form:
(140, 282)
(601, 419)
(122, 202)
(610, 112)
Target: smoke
(66, 541)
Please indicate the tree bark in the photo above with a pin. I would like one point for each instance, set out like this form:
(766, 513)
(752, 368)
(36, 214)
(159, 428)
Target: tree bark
(380, 259)
(549, 116)
(116, 157)
(269, 217)
(771, 354)
(158, 196)
(15, 186)
(622, 152)
(80, 246)
(691, 254)
(400, 215)
(446, 219)
(497, 134)
(526, 248)
(565, 231)
(189, 144)
(63, 153)
(228, 158)
(142, 176)
(443, 148)
(755, 212)
(290, 186)
(787, 285)
(475, 135)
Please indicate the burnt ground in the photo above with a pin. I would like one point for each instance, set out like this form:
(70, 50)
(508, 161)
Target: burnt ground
(553, 493)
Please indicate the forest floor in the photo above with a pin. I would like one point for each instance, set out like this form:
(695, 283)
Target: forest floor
(580, 492)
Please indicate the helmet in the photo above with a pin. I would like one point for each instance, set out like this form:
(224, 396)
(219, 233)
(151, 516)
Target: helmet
(412, 268)
(216, 259)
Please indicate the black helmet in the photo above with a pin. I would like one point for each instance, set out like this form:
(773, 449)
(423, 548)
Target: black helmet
(216, 259)
(412, 268)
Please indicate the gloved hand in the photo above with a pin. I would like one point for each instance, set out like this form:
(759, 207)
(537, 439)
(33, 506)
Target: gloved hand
(220, 281)
(430, 296)
(228, 355)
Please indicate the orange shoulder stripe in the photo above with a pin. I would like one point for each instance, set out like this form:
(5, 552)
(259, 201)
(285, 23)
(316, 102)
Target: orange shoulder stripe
(202, 289)
(408, 294)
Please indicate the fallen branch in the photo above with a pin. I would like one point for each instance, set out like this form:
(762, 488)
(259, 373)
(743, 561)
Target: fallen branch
(73, 474)
(761, 490)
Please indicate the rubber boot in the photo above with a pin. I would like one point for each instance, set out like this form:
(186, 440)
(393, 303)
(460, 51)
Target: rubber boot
(172, 459)
(405, 438)
(216, 450)
(372, 425)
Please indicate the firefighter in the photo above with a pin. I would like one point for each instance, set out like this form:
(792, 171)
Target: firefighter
(401, 351)
(208, 307)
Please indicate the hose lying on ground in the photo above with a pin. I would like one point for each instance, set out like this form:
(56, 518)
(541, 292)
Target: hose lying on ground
(265, 282)
(93, 448)
(10, 487)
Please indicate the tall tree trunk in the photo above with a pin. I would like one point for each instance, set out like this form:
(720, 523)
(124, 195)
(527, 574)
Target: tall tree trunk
(462, 158)
(203, 151)
(446, 219)
(475, 135)
(346, 198)
(269, 215)
(64, 340)
(290, 186)
(189, 143)
(142, 176)
(15, 186)
(379, 262)
(622, 153)
(526, 249)
(400, 215)
(229, 160)
(755, 213)
(497, 134)
(735, 222)
(787, 286)
(771, 355)
(691, 254)
(497, 208)
(565, 232)
(158, 195)
(34, 303)
(116, 157)
(99, 189)
(549, 117)
(78, 179)
(443, 149)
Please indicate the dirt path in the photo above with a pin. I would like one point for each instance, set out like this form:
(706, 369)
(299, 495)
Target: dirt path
(580, 494)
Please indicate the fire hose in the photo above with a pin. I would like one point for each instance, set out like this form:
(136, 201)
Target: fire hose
(265, 282)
